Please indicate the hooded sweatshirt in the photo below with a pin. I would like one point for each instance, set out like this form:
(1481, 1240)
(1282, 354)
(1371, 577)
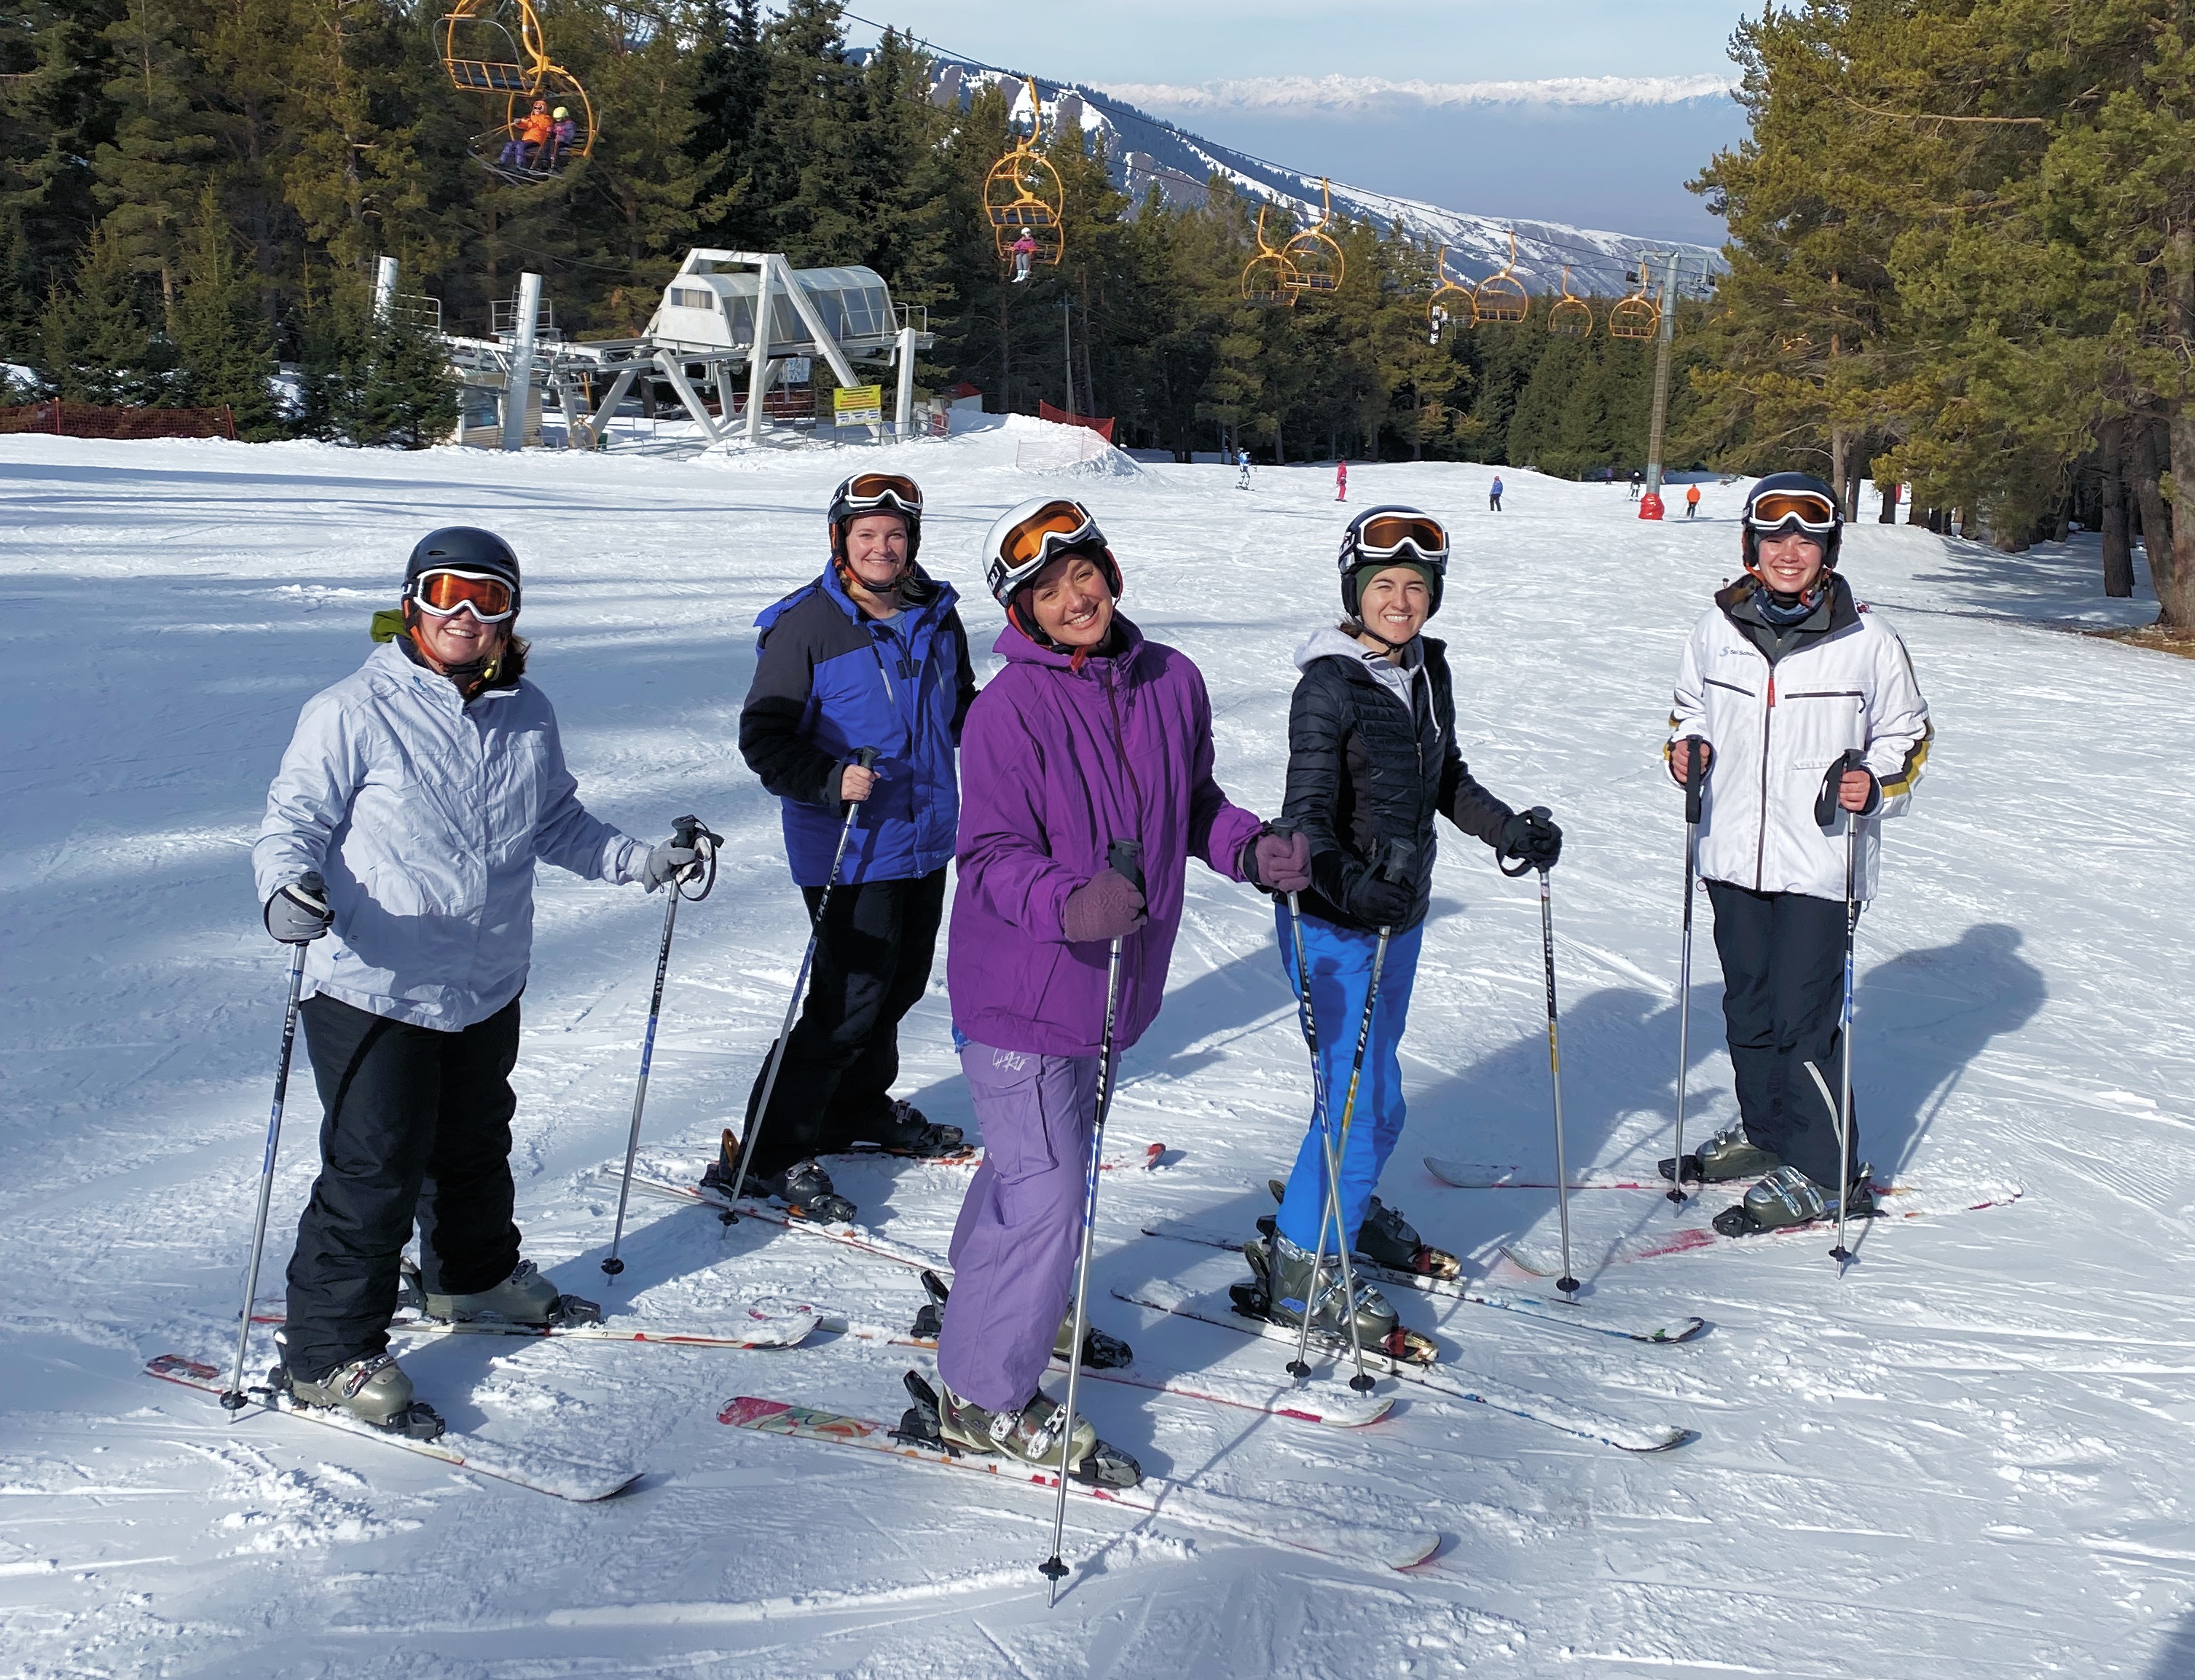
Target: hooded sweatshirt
(1055, 762)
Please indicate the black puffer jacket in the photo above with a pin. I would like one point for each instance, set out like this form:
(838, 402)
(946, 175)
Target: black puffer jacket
(1363, 770)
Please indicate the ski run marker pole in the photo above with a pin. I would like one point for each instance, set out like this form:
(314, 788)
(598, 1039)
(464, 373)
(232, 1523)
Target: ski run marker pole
(867, 756)
(1694, 776)
(691, 836)
(1396, 857)
(1123, 857)
(232, 1396)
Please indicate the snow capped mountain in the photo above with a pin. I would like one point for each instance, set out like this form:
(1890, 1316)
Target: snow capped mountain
(1149, 151)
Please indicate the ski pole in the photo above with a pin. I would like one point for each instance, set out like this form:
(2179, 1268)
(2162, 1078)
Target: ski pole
(232, 1396)
(867, 756)
(1567, 1282)
(691, 836)
(1123, 857)
(1395, 859)
(1825, 810)
(1690, 746)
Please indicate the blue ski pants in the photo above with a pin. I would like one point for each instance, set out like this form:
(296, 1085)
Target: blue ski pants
(1341, 963)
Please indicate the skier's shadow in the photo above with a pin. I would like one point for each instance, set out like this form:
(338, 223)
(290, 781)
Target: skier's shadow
(2175, 1659)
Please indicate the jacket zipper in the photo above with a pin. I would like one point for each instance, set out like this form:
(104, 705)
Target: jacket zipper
(1120, 746)
(1767, 725)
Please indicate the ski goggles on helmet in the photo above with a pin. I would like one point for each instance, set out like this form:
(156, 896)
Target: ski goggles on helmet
(1029, 544)
(881, 492)
(485, 596)
(1386, 536)
(1812, 512)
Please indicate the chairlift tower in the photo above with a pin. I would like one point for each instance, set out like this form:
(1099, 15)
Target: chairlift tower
(1649, 502)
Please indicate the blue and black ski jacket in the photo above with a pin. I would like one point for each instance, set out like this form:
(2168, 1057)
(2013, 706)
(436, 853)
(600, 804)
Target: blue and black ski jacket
(829, 682)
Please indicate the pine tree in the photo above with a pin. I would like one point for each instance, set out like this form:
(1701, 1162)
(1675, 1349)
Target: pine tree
(375, 384)
(224, 348)
(148, 176)
(98, 345)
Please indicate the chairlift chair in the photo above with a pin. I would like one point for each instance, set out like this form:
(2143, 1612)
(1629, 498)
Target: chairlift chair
(1571, 317)
(1499, 296)
(1637, 315)
(1449, 304)
(479, 55)
(1269, 279)
(1315, 259)
(1023, 194)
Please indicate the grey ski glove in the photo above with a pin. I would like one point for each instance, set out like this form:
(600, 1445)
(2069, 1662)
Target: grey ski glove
(299, 914)
(666, 862)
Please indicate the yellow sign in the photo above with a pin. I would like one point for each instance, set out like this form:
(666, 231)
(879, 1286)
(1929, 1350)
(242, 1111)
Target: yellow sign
(858, 405)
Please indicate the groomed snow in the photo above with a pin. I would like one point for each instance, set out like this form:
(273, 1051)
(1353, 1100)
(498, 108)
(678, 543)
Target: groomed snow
(1969, 1457)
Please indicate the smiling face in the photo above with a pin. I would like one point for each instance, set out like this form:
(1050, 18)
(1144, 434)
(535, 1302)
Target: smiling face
(459, 639)
(876, 550)
(1790, 562)
(1071, 601)
(1394, 604)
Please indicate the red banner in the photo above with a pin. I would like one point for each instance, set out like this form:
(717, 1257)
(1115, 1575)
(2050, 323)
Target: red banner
(1104, 428)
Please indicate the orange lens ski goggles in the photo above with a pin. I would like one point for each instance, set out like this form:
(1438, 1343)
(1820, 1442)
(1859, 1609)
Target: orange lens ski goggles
(486, 596)
(1811, 512)
(1385, 535)
(867, 492)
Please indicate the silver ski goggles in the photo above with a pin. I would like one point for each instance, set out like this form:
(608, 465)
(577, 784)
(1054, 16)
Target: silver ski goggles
(482, 593)
(1810, 511)
(1386, 536)
(883, 493)
(1054, 529)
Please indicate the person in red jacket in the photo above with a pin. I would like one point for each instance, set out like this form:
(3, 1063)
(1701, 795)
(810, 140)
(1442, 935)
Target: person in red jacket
(1341, 480)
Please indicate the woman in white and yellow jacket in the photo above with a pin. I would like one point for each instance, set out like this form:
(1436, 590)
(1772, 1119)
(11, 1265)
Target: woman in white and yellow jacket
(1783, 677)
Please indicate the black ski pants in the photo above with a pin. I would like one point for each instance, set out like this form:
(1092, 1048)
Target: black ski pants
(417, 1129)
(1784, 977)
(872, 957)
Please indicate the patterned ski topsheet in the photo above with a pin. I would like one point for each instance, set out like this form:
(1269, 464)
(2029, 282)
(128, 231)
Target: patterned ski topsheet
(1395, 1548)
(523, 1467)
(1486, 1176)
(1693, 1239)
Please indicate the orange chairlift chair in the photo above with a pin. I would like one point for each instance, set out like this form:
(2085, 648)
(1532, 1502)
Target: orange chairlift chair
(1636, 316)
(481, 56)
(1571, 317)
(1269, 278)
(1025, 200)
(1449, 304)
(1499, 296)
(1315, 261)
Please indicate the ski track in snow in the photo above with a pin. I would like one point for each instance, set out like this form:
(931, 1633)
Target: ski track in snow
(1969, 1456)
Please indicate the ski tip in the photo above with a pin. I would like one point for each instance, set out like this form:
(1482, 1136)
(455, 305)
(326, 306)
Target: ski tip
(176, 1368)
(1666, 1440)
(745, 1411)
(1683, 1330)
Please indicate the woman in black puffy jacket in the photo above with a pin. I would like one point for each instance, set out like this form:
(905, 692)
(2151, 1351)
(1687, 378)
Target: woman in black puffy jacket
(1372, 760)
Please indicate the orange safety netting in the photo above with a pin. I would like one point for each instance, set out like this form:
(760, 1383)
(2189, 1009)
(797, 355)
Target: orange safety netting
(1104, 428)
(90, 420)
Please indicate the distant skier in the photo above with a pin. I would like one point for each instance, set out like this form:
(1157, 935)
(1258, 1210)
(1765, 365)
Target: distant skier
(1638, 482)
(1494, 495)
(1243, 460)
(1089, 735)
(1341, 480)
(1371, 758)
(1024, 249)
(870, 653)
(422, 789)
(1789, 642)
(1692, 501)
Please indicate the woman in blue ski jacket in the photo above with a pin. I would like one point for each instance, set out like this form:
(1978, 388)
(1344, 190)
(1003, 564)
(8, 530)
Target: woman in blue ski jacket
(870, 655)
(1373, 759)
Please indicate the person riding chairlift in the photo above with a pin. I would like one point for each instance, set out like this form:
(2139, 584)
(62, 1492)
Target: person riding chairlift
(561, 134)
(528, 146)
(1024, 250)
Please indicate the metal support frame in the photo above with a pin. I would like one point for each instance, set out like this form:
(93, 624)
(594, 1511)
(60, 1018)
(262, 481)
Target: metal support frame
(603, 415)
(519, 386)
(384, 286)
(903, 395)
(1662, 340)
(672, 369)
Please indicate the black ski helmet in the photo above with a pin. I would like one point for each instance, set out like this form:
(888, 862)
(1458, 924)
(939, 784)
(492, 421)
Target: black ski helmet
(871, 492)
(462, 548)
(1380, 538)
(1797, 487)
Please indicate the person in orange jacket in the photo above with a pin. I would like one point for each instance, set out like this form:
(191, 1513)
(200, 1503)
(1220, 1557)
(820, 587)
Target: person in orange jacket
(534, 132)
(1692, 501)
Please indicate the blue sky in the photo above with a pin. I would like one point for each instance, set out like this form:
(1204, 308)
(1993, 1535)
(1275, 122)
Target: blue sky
(1592, 112)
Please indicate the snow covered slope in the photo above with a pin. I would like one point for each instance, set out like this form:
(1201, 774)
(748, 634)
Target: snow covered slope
(1147, 150)
(1969, 1457)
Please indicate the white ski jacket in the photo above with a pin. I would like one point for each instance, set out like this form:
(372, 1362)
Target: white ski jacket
(425, 817)
(1777, 723)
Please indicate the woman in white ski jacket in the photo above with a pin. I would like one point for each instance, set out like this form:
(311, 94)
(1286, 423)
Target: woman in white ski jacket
(1782, 677)
(401, 837)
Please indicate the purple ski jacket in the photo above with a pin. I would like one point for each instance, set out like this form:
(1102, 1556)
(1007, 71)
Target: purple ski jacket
(1055, 762)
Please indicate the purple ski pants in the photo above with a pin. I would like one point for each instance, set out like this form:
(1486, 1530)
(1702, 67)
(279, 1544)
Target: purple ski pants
(1020, 1230)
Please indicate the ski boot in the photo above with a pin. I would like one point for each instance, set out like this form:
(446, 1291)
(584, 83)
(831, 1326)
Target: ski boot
(1787, 1197)
(1385, 1238)
(1277, 1294)
(1728, 1154)
(1031, 1434)
(373, 1390)
(906, 1130)
(804, 1187)
(1101, 1351)
(524, 1298)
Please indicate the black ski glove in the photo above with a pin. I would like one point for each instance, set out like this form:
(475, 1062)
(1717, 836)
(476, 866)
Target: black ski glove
(1532, 835)
(1379, 902)
(299, 914)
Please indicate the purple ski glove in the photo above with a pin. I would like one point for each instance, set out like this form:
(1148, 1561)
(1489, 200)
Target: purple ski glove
(1280, 863)
(1106, 907)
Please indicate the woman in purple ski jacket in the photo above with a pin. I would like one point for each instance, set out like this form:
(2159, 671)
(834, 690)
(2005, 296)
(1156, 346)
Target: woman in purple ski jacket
(1091, 734)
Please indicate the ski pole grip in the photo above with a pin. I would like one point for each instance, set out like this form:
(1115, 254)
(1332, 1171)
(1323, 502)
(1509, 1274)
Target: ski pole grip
(311, 882)
(1825, 802)
(1694, 777)
(868, 757)
(1395, 866)
(1125, 858)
